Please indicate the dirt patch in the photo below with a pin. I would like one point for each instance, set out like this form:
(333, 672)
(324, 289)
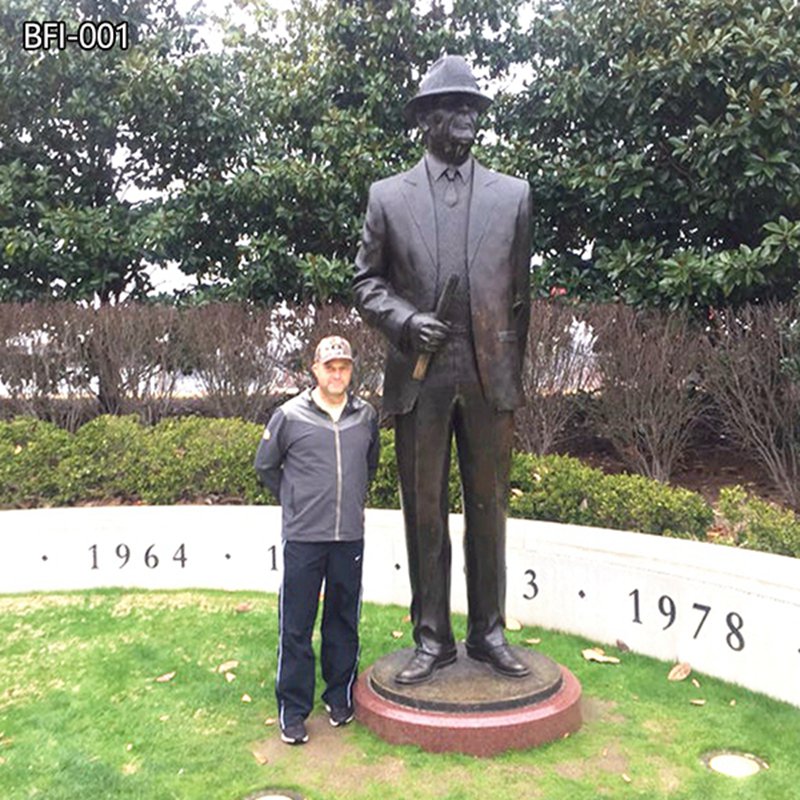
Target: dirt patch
(609, 758)
(594, 711)
(329, 754)
(670, 778)
(335, 754)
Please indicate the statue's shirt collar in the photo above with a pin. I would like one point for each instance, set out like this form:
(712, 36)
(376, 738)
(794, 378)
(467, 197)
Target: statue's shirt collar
(437, 168)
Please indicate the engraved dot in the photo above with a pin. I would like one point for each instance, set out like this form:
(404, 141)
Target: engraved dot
(397, 566)
(228, 556)
(44, 558)
(581, 594)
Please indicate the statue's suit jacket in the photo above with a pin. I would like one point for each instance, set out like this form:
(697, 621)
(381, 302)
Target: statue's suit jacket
(397, 276)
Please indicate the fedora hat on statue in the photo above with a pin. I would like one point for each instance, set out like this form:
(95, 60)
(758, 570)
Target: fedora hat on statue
(448, 75)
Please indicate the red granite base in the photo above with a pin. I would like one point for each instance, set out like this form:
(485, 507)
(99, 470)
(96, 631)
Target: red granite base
(474, 733)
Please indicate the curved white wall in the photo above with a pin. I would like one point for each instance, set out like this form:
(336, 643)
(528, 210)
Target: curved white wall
(730, 613)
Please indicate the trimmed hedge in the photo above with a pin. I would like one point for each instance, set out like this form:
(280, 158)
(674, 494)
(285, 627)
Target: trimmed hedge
(757, 525)
(563, 489)
(191, 459)
(118, 459)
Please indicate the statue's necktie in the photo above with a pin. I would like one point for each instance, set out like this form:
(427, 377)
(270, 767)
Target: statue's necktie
(450, 193)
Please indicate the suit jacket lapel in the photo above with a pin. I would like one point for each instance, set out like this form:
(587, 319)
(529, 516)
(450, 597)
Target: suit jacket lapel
(417, 194)
(481, 208)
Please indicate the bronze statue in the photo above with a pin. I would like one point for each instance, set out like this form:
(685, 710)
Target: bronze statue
(443, 272)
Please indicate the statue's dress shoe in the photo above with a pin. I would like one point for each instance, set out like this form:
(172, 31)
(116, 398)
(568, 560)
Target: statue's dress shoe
(422, 666)
(501, 659)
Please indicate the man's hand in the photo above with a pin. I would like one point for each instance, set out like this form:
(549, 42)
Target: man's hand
(426, 332)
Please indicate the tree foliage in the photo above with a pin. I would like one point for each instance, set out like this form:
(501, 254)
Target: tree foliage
(665, 137)
(82, 131)
(660, 139)
(329, 88)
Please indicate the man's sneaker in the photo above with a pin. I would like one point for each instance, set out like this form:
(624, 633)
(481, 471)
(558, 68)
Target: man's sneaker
(340, 715)
(294, 733)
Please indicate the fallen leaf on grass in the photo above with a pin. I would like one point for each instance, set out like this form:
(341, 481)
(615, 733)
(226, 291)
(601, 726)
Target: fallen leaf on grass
(260, 757)
(17, 449)
(733, 703)
(397, 634)
(517, 492)
(697, 702)
(680, 672)
(164, 717)
(166, 677)
(246, 698)
(407, 618)
(270, 721)
(130, 768)
(627, 778)
(227, 666)
(230, 677)
(2, 760)
(598, 655)
(695, 683)
(533, 640)
(243, 608)
(513, 624)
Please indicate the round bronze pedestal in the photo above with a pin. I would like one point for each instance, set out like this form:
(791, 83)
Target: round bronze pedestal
(467, 707)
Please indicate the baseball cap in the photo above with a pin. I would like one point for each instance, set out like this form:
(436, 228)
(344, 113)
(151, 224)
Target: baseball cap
(332, 347)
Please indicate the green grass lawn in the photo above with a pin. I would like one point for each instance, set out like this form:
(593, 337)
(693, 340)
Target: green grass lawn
(83, 716)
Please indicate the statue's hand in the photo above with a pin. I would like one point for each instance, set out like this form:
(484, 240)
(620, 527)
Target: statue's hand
(427, 333)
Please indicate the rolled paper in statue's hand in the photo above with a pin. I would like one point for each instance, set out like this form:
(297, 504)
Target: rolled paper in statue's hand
(442, 308)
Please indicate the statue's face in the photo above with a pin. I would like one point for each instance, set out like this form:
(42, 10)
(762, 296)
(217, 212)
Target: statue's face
(449, 125)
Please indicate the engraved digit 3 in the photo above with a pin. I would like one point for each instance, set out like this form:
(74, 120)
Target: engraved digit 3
(532, 583)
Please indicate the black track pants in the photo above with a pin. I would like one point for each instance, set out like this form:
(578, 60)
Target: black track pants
(305, 566)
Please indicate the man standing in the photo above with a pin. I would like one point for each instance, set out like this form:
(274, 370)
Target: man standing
(317, 456)
(450, 221)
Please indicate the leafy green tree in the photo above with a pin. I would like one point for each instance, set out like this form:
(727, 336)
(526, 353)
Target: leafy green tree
(81, 132)
(255, 160)
(329, 88)
(663, 138)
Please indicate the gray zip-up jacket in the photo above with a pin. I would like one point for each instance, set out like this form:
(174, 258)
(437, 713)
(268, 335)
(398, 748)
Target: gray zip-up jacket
(318, 469)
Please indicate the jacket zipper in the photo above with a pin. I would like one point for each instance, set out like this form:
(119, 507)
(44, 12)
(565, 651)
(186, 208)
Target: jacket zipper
(338, 444)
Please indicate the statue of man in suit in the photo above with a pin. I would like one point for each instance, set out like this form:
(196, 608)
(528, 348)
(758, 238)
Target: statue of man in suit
(450, 216)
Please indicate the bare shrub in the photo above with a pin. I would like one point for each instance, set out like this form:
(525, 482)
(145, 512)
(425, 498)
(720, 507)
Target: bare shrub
(754, 378)
(133, 351)
(41, 361)
(559, 363)
(237, 353)
(648, 403)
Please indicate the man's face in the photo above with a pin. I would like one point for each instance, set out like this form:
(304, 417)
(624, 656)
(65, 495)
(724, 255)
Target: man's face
(333, 378)
(449, 125)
